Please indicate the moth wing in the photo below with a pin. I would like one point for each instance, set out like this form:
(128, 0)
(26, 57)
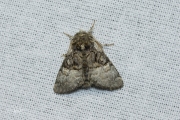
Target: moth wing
(106, 77)
(103, 73)
(68, 79)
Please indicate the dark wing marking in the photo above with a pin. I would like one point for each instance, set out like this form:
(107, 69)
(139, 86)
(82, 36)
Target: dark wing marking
(103, 73)
(69, 77)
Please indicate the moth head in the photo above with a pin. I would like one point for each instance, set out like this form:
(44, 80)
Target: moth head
(82, 41)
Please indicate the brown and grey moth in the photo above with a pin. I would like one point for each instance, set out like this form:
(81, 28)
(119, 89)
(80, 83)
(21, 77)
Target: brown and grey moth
(86, 65)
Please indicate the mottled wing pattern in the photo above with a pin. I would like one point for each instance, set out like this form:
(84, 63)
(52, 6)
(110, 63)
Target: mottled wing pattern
(69, 77)
(103, 73)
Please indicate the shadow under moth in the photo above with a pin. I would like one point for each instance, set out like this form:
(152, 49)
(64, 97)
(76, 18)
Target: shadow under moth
(86, 65)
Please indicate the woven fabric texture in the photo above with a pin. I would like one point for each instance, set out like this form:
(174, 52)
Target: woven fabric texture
(146, 34)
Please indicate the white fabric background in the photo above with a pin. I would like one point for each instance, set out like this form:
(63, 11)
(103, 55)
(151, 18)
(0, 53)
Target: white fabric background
(146, 53)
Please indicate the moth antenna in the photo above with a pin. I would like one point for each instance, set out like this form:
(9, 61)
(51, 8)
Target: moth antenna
(91, 28)
(70, 36)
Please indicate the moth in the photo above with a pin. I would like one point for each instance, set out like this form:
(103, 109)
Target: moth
(86, 65)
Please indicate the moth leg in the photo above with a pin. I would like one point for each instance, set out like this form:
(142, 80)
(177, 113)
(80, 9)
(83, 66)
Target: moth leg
(108, 44)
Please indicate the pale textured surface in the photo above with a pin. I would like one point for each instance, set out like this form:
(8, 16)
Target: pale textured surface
(146, 34)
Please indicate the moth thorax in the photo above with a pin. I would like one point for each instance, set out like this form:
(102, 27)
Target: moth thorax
(82, 41)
